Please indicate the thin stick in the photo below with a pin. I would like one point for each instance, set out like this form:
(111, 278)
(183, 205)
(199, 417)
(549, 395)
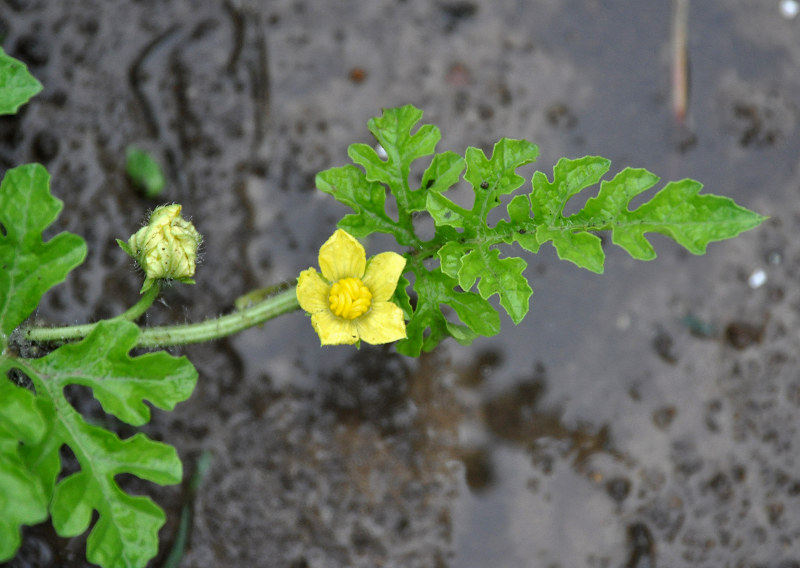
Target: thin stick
(680, 63)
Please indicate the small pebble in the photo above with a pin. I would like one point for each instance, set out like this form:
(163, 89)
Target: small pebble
(757, 279)
(790, 9)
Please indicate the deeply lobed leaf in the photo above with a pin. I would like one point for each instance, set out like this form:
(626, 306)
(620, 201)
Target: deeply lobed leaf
(468, 247)
(365, 192)
(473, 255)
(428, 324)
(35, 424)
(126, 532)
(158, 377)
(349, 186)
(392, 130)
(30, 266)
(676, 211)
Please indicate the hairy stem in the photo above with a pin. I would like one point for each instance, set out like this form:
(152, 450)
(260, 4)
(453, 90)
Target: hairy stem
(71, 332)
(216, 328)
(182, 334)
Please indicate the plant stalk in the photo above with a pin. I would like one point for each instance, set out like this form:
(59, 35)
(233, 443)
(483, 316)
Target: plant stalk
(71, 332)
(181, 334)
(216, 328)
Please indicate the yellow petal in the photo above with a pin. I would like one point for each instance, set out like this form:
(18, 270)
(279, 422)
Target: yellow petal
(383, 323)
(382, 274)
(312, 292)
(334, 330)
(342, 256)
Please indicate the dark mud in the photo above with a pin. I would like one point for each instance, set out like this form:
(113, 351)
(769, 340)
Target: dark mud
(647, 417)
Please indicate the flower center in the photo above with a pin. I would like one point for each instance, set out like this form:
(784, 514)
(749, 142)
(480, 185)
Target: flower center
(349, 298)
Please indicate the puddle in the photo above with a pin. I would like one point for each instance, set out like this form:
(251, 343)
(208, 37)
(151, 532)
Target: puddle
(645, 417)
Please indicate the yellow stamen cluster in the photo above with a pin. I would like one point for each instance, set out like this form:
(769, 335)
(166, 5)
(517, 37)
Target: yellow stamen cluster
(349, 298)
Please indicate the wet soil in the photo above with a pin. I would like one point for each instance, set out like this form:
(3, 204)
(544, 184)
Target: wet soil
(646, 417)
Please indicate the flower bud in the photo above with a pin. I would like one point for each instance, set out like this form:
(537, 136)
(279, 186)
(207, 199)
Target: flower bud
(165, 248)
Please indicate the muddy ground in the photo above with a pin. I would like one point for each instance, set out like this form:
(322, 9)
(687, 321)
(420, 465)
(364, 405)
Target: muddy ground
(646, 417)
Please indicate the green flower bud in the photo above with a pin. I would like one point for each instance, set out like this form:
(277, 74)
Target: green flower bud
(165, 248)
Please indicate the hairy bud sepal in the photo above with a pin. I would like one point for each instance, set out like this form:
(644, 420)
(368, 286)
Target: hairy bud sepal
(165, 248)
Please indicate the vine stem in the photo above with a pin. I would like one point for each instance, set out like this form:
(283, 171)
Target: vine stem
(70, 332)
(180, 334)
(216, 328)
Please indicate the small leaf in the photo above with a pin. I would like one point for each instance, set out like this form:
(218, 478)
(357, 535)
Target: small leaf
(349, 186)
(447, 213)
(503, 276)
(498, 175)
(433, 289)
(145, 172)
(548, 199)
(126, 532)
(443, 173)
(17, 85)
(393, 132)
(30, 267)
(401, 297)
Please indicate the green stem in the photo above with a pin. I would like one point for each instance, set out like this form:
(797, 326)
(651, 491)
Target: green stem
(222, 326)
(70, 332)
(169, 335)
(140, 307)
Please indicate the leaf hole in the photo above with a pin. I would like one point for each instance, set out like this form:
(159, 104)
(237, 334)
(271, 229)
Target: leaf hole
(423, 227)
(3, 231)
(69, 462)
(20, 379)
(133, 485)
(577, 202)
(82, 400)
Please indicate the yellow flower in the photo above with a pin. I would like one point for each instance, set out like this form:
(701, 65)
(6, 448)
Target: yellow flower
(350, 301)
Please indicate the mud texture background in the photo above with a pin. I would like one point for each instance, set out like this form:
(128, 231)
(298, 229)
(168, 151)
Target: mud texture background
(646, 417)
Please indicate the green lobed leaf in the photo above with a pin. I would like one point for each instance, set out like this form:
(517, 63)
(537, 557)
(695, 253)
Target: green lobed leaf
(17, 85)
(677, 211)
(126, 531)
(23, 498)
(158, 377)
(365, 192)
(473, 255)
(349, 186)
(466, 245)
(428, 325)
(443, 172)
(30, 266)
(547, 204)
(392, 130)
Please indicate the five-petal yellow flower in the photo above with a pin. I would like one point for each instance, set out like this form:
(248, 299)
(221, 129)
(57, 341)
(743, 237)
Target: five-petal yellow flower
(350, 301)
